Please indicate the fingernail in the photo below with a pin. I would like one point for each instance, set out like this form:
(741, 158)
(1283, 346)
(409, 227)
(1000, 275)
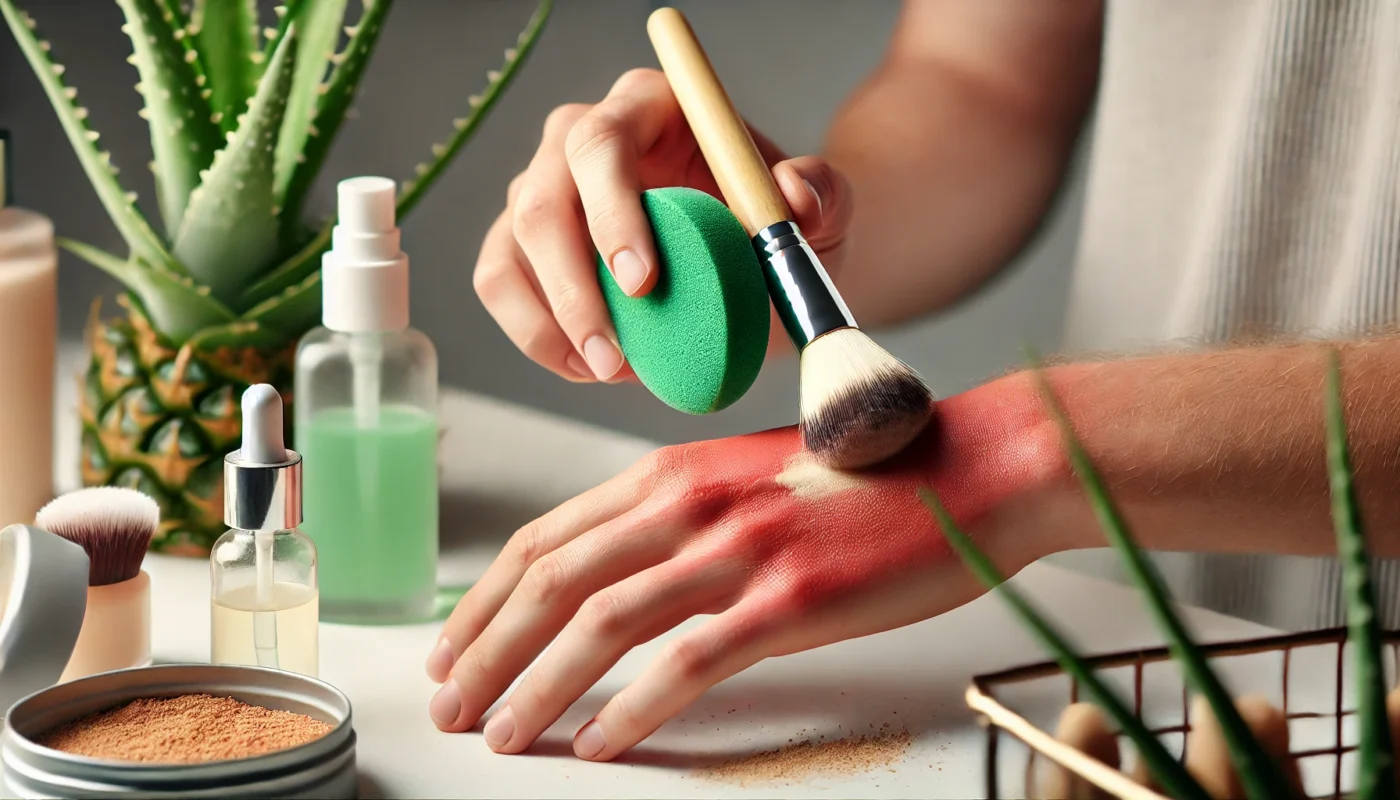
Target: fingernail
(446, 705)
(628, 270)
(576, 363)
(815, 196)
(500, 728)
(602, 356)
(440, 661)
(589, 742)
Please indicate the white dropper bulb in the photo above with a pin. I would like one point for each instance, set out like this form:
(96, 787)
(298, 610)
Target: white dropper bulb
(263, 441)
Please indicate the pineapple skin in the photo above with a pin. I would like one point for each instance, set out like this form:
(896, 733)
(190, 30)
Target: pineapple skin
(160, 419)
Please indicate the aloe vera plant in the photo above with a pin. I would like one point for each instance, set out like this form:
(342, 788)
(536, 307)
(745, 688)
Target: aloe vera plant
(241, 121)
(1259, 775)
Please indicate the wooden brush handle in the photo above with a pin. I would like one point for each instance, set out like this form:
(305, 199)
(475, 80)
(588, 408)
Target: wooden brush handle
(742, 175)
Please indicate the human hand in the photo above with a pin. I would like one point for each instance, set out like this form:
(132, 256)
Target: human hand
(787, 554)
(581, 195)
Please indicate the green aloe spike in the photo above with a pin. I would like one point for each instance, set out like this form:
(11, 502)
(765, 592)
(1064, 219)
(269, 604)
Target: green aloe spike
(1375, 761)
(226, 36)
(496, 83)
(1169, 773)
(178, 305)
(1259, 775)
(183, 136)
(332, 107)
(120, 205)
(306, 260)
(318, 24)
(230, 230)
(190, 80)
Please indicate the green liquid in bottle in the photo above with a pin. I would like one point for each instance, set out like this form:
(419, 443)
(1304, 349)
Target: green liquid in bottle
(371, 506)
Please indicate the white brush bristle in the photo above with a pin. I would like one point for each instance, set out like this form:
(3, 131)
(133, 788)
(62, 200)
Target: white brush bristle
(859, 404)
(114, 525)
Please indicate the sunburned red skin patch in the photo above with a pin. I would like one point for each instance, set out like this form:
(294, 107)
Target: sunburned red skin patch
(817, 532)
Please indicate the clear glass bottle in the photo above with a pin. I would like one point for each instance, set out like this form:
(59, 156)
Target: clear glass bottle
(263, 570)
(366, 424)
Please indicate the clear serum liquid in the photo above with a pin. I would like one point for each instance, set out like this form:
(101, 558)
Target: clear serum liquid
(241, 628)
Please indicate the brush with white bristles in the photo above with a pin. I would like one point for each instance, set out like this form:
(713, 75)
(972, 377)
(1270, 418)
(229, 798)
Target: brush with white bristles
(114, 526)
(860, 405)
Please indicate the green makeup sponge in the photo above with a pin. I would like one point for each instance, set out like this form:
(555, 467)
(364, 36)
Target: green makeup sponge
(698, 339)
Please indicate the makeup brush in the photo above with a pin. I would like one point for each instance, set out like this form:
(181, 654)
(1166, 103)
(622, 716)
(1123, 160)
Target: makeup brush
(859, 404)
(114, 526)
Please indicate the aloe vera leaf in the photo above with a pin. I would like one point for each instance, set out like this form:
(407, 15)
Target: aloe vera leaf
(120, 205)
(481, 105)
(1165, 769)
(183, 137)
(230, 230)
(177, 305)
(293, 310)
(1375, 775)
(319, 23)
(291, 272)
(226, 37)
(1259, 774)
(332, 107)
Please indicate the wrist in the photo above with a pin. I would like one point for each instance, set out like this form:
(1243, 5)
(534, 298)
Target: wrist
(1000, 442)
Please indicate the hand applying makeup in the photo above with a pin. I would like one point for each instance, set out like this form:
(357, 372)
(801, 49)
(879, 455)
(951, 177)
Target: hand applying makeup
(786, 554)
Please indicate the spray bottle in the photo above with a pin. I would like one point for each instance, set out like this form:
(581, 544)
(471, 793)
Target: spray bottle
(366, 422)
(263, 569)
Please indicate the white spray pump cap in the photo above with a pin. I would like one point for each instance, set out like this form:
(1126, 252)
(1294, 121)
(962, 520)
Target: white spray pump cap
(364, 276)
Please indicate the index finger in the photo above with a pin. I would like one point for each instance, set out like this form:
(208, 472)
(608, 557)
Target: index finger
(603, 149)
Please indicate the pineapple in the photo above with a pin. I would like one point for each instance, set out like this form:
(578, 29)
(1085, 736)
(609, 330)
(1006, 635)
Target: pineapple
(241, 121)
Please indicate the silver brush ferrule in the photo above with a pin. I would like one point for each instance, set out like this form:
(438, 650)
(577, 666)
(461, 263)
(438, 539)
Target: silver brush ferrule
(802, 292)
(262, 497)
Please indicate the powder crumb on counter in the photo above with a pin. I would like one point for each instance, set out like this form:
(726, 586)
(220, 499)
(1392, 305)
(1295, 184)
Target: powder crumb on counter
(189, 729)
(805, 759)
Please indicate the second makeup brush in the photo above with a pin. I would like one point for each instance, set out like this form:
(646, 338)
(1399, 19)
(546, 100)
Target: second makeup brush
(114, 526)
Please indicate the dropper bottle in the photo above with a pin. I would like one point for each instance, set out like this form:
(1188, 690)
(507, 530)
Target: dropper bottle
(366, 421)
(263, 569)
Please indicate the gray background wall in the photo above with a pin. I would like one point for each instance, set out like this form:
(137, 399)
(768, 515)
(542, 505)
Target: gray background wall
(787, 63)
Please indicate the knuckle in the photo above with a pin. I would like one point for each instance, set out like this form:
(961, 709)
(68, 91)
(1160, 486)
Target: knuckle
(470, 670)
(514, 187)
(529, 544)
(594, 133)
(562, 117)
(569, 304)
(605, 614)
(545, 580)
(636, 79)
(536, 209)
(689, 659)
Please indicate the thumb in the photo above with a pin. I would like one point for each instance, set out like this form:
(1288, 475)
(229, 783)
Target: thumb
(820, 199)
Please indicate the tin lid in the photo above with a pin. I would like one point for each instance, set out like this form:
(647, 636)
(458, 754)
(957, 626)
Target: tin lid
(43, 597)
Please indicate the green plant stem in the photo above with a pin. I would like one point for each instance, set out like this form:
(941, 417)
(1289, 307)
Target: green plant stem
(1259, 775)
(1375, 775)
(1170, 774)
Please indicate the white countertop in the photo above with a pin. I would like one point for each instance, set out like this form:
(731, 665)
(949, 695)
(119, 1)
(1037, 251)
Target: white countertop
(504, 465)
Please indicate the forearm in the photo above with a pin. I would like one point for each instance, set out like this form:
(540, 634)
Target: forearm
(1224, 451)
(956, 146)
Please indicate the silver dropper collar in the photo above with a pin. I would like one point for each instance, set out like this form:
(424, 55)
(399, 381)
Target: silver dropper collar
(262, 479)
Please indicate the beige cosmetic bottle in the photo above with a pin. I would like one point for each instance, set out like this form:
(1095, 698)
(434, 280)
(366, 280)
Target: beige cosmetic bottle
(28, 350)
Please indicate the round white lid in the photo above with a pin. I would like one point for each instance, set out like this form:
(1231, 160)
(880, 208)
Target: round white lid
(43, 597)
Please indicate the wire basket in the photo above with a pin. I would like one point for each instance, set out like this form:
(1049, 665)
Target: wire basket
(1305, 675)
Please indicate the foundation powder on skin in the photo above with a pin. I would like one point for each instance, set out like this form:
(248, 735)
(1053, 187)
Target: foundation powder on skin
(189, 729)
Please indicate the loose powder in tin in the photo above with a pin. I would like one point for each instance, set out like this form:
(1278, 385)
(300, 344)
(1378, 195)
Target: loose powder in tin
(805, 759)
(189, 729)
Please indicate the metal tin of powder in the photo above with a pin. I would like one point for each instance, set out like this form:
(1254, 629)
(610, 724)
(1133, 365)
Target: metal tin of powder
(322, 768)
